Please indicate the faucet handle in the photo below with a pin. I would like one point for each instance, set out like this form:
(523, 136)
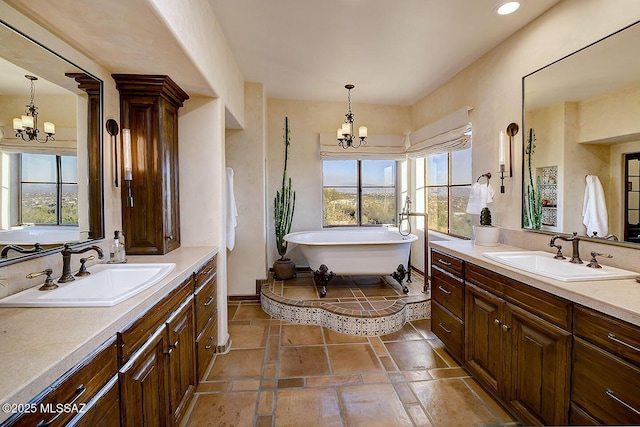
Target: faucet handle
(48, 283)
(83, 268)
(594, 262)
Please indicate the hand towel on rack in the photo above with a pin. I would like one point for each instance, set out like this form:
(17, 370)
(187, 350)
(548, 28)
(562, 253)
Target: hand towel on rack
(479, 196)
(594, 209)
(232, 211)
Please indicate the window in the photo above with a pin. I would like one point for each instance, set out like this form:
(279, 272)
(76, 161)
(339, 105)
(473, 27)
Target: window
(443, 183)
(358, 192)
(48, 189)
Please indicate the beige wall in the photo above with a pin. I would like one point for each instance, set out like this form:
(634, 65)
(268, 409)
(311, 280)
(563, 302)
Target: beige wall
(307, 119)
(245, 154)
(493, 84)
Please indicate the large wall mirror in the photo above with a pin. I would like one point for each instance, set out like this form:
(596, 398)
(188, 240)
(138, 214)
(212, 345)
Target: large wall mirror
(580, 160)
(50, 190)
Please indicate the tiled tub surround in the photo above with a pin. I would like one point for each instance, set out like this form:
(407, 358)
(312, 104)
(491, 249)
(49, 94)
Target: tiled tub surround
(363, 306)
(38, 345)
(617, 298)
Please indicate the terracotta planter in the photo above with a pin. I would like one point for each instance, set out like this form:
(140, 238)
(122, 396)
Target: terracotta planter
(486, 235)
(284, 269)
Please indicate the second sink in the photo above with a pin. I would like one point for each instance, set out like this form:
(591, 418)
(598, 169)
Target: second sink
(543, 263)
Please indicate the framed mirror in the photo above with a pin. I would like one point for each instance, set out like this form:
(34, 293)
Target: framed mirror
(50, 182)
(581, 118)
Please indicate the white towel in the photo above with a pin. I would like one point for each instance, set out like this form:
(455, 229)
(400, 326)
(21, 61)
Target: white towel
(479, 197)
(594, 209)
(232, 211)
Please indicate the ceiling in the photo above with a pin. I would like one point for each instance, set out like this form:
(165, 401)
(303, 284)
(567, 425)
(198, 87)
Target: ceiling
(394, 51)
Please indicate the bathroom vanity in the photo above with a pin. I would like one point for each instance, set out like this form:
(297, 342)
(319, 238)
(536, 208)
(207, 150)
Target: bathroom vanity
(555, 352)
(111, 366)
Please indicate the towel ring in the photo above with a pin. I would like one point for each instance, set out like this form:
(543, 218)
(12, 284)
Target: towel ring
(485, 175)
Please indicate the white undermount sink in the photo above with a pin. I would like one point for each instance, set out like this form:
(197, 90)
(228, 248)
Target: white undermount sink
(544, 264)
(108, 285)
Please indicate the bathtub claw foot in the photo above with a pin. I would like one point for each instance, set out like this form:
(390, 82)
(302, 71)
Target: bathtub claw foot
(323, 276)
(399, 275)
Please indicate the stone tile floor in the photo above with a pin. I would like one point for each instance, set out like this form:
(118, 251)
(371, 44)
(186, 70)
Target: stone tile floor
(282, 374)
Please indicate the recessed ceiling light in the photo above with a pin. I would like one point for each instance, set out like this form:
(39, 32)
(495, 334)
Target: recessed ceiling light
(508, 7)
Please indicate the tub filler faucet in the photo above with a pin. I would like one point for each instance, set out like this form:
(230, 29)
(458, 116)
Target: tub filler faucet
(66, 260)
(575, 241)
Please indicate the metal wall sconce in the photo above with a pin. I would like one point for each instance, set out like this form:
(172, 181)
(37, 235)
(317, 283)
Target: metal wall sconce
(506, 152)
(113, 129)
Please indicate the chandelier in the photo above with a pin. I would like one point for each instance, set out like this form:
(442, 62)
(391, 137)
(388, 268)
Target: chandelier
(345, 135)
(26, 127)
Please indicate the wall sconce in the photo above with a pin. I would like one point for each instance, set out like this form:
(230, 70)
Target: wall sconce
(127, 164)
(506, 152)
(113, 129)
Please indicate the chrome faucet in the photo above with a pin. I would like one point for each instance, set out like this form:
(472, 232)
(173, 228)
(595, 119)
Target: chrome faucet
(66, 260)
(575, 240)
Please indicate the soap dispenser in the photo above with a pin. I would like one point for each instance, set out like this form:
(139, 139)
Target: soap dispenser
(117, 252)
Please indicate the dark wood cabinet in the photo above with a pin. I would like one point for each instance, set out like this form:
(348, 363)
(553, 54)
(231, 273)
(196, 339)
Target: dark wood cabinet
(484, 348)
(73, 390)
(514, 349)
(447, 301)
(206, 303)
(606, 370)
(149, 108)
(143, 385)
(182, 359)
(101, 411)
(537, 369)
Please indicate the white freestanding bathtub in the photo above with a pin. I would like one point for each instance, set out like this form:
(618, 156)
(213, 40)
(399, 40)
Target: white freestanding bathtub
(354, 252)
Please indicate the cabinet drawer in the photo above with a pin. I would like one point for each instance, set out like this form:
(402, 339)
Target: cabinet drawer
(448, 328)
(77, 386)
(141, 329)
(448, 291)
(446, 262)
(206, 271)
(206, 347)
(605, 386)
(103, 410)
(614, 335)
(206, 305)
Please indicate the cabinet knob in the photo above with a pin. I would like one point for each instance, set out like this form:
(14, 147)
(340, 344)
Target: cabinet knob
(171, 347)
(170, 237)
(506, 327)
(497, 322)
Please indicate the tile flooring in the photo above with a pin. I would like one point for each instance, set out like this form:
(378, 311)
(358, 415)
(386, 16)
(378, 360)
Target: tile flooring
(282, 374)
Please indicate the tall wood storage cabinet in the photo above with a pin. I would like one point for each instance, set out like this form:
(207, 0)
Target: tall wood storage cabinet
(149, 107)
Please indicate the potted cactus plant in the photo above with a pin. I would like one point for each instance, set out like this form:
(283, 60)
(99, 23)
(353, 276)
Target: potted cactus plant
(486, 234)
(284, 206)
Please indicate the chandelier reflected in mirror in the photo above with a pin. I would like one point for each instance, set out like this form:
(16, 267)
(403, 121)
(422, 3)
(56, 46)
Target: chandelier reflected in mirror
(26, 127)
(346, 137)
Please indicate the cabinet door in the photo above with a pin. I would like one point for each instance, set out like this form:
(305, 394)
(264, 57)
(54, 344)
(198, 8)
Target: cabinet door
(103, 410)
(143, 385)
(538, 367)
(483, 331)
(182, 359)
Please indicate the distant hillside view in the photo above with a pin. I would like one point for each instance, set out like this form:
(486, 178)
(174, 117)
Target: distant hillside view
(39, 204)
(340, 206)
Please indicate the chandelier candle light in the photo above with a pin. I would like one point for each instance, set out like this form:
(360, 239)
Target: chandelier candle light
(345, 135)
(26, 127)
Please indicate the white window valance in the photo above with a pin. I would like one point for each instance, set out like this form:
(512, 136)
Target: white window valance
(379, 147)
(451, 133)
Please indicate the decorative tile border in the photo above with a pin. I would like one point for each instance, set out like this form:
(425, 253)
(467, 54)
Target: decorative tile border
(354, 322)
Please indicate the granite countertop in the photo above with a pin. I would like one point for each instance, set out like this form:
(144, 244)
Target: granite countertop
(618, 298)
(38, 345)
